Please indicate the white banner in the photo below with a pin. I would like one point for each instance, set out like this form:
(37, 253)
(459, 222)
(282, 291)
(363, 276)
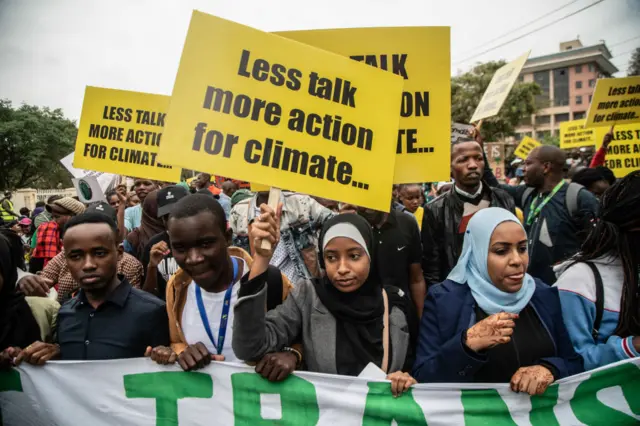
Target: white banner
(105, 180)
(139, 392)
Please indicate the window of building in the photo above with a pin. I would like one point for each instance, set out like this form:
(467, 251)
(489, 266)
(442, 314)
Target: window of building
(592, 68)
(578, 69)
(521, 78)
(543, 134)
(578, 85)
(543, 119)
(579, 115)
(579, 100)
(542, 79)
(561, 87)
(525, 121)
(592, 82)
(590, 96)
(559, 118)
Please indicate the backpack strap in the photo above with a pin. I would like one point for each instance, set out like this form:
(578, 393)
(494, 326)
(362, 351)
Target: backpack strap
(525, 195)
(571, 198)
(274, 287)
(599, 300)
(385, 334)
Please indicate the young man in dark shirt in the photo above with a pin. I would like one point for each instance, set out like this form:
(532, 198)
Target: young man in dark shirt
(158, 261)
(398, 253)
(108, 319)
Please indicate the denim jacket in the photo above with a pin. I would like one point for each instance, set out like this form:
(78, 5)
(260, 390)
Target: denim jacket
(301, 219)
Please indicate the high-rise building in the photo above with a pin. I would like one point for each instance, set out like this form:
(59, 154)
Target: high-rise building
(567, 79)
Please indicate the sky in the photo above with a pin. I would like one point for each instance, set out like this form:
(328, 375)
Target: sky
(51, 49)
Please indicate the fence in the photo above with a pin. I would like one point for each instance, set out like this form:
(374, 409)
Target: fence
(27, 197)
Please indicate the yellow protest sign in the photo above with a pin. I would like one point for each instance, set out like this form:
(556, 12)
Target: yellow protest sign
(257, 187)
(615, 101)
(421, 56)
(623, 154)
(499, 88)
(120, 133)
(525, 147)
(268, 110)
(574, 135)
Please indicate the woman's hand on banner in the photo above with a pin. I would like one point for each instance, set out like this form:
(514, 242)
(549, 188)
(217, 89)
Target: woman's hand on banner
(276, 367)
(533, 380)
(163, 355)
(400, 382)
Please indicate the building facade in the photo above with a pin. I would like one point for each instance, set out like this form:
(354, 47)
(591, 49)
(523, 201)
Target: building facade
(567, 79)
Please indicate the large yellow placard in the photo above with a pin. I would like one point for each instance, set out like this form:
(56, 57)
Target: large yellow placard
(499, 88)
(525, 147)
(574, 135)
(421, 56)
(264, 109)
(623, 154)
(120, 132)
(615, 101)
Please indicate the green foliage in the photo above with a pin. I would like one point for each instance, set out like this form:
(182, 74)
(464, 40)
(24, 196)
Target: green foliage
(467, 90)
(32, 141)
(551, 140)
(634, 63)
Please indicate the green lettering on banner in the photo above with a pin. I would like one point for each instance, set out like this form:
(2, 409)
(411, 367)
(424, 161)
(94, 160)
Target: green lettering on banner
(542, 408)
(9, 381)
(167, 388)
(485, 407)
(382, 408)
(589, 410)
(299, 403)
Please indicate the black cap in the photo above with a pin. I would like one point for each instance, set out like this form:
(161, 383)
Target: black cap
(168, 196)
(105, 209)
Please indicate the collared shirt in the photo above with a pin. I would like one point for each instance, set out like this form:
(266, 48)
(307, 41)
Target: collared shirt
(398, 246)
(57, 271)
(132, 217)
(225, 202)
(121, 327)
(48, 243)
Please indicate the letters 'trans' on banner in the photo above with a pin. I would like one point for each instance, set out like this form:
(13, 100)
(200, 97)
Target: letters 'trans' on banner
(137, 392)
(120, 132)
(268, 110)
(615, 101)
(525, 147)
(623, 154)
(574, 135)
(421, 56)
(499, 88)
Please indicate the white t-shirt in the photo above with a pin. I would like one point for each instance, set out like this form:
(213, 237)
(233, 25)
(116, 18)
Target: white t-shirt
(192, 326)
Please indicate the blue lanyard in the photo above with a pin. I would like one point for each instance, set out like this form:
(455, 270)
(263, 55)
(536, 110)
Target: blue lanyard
(225, 311)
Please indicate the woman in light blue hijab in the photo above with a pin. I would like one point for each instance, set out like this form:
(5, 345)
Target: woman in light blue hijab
(490, 321)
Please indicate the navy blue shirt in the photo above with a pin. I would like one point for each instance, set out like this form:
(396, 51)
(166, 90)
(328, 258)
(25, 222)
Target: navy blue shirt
(121, 327)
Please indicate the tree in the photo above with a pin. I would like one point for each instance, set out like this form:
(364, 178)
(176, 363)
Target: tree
(32, 141)
(467, 90)
(634, 63)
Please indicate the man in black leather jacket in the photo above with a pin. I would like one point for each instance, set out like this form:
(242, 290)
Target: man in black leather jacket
(445, 218)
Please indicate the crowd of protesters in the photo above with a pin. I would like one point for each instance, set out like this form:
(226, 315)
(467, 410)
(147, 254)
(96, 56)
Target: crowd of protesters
(472, 280)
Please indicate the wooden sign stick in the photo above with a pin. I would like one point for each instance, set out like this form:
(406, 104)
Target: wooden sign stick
(273, 201)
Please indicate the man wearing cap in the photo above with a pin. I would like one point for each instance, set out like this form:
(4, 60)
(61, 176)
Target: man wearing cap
(157, 260)
(49, 241)
(6, 208)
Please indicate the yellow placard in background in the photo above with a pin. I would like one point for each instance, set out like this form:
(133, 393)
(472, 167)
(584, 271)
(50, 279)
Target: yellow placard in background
(120, 133)
(623, 155)
(525, 147)
(257, 187)
(615, 101)
(499, 88)
(574, 135)
(421, 55)
(261, 108)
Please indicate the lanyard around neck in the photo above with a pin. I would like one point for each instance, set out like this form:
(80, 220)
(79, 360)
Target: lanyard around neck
(225, 311)
(535, 210)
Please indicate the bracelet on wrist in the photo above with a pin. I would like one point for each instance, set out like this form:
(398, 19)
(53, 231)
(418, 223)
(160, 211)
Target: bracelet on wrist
(295, 352)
